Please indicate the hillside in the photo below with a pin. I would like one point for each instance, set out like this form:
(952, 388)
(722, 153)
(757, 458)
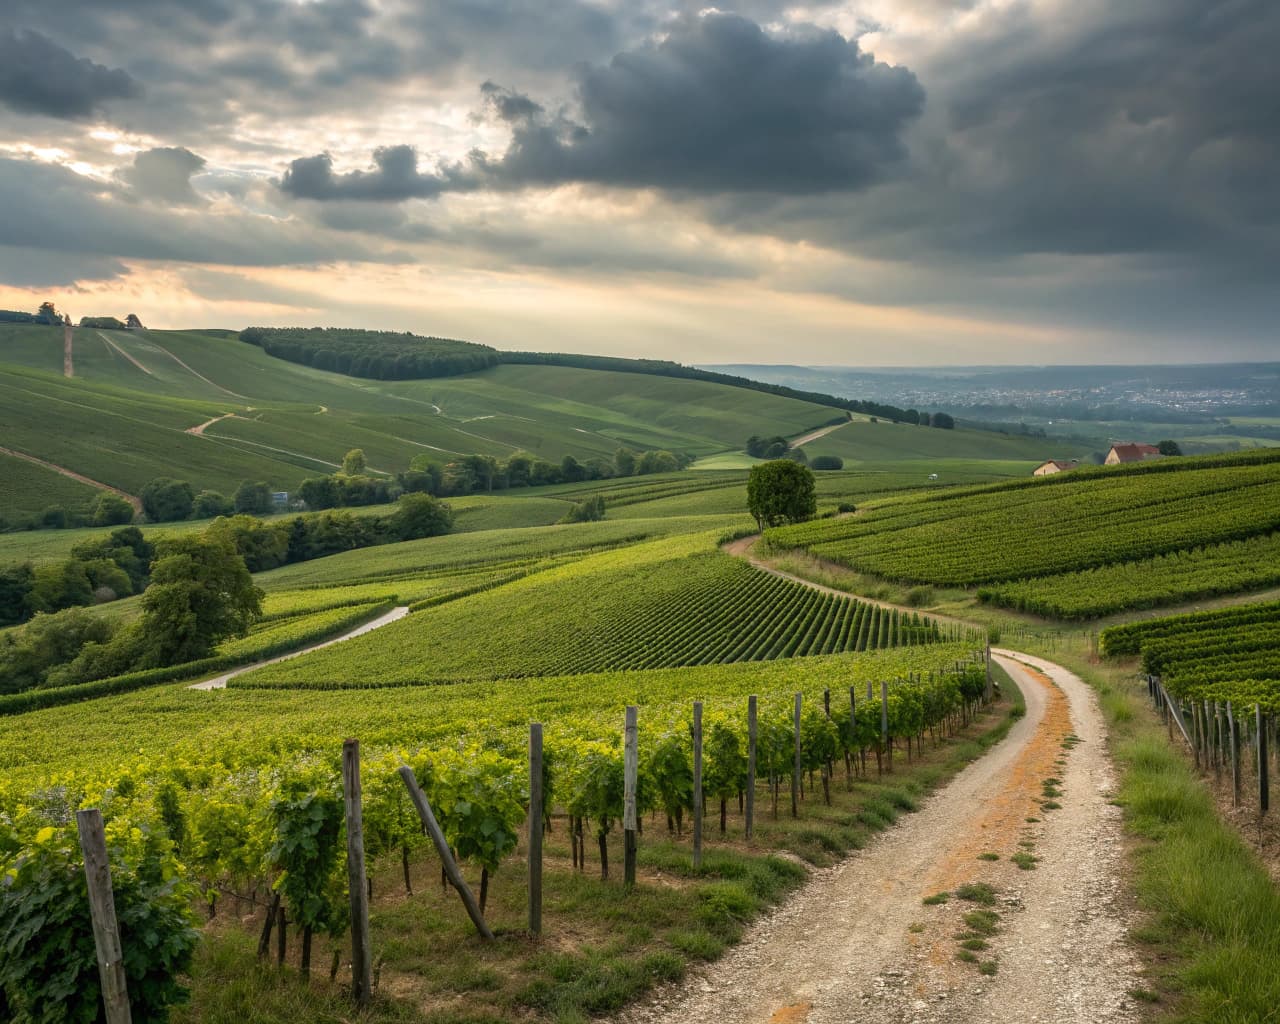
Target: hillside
(208, 408)
(1076, 545)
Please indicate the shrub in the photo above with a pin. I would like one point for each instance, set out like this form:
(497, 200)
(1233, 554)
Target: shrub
(112, 510)
(824, 462)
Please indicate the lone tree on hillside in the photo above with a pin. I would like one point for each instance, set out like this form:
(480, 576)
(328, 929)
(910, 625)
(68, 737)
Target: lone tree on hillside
(1169, 448)
(200, 594)
(353, 463)
(780, 492)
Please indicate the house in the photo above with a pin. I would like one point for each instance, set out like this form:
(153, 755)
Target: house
(1054, 466)
(1130, 451)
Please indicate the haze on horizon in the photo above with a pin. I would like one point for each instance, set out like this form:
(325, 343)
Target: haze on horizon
(891, 183)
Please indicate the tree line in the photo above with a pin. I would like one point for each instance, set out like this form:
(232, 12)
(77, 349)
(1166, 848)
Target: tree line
(107, 568)
(378, 355)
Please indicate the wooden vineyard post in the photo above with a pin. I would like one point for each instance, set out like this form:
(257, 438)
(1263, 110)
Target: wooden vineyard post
(361, 952)
(432, 828)
(853, 732)
(795, 767)
(884, 723)
(1233, 730)
(1264, 789)
(535, 828)
(829, 768)
(751, 764)
(697, 784)
(987, 693)
(102, 913)
(630, 774)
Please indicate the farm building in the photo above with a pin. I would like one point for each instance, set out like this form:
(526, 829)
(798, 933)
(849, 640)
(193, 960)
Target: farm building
(1130, 451)
(1054, 466)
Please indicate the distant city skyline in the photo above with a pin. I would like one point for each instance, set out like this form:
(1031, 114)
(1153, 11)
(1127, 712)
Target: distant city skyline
(892, 184)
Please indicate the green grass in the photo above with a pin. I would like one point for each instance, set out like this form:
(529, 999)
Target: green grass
(30, 489)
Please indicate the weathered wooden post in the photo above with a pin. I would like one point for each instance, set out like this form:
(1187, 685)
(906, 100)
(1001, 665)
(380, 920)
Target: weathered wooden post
(432, 828)
(989, 691)
(884, 722)
(751, 765)
(795, 767)
(631, 770)
(851, 757)
(536, 817)
(697, 784)
(102, 914)
(361, 951)
(1264, 788)
(1233, 729)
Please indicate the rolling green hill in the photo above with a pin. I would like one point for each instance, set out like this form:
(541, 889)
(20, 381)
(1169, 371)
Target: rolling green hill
(206, 407)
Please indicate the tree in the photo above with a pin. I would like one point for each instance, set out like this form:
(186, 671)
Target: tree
(589, 511)
(942, 420)
(200, 594)
(657, 461)
(420, 515)
(624, 462)
(165, 499)
(48, 314)
(823, 462)
(211, 504)
(112, 510)
(59, 585)
(780, 491)
(15, 585)
(1168, 447)
(353, 463)
(254, 498)
(571, 470)
(133, 323)
(55, 517)
(518, 468)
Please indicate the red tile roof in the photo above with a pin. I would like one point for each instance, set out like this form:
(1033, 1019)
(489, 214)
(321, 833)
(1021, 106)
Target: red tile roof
(1133, 452)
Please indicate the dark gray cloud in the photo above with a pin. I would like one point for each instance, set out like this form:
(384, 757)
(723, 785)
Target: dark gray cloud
(721, 105)
(164, 175)
(37, 76)
(395, 177)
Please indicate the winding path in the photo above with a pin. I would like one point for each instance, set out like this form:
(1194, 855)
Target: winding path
(858, 944)
(220, 682)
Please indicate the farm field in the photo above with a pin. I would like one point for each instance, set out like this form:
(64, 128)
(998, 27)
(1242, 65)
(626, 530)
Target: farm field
(1105, 522)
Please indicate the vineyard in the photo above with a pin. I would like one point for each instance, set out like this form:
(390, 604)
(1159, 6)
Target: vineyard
(1077, 546)
(192, 794)
(1232, 654)
(659, 604)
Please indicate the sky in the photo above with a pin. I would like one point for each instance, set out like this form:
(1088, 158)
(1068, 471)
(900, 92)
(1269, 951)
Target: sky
(893, 182)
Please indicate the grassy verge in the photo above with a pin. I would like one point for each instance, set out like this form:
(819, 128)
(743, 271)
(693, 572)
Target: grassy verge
(602, 947)
(1209, 934)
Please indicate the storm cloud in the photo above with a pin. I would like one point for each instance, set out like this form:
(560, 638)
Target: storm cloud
(37, 76)
(395, 177)
(721, 104)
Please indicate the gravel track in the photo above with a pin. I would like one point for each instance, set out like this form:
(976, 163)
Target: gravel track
(856, 943)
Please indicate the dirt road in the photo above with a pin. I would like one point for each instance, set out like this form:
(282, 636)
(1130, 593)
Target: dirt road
(814, 435)
(858, 944)
(220, 682)
(68, 365)
(200, 428)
